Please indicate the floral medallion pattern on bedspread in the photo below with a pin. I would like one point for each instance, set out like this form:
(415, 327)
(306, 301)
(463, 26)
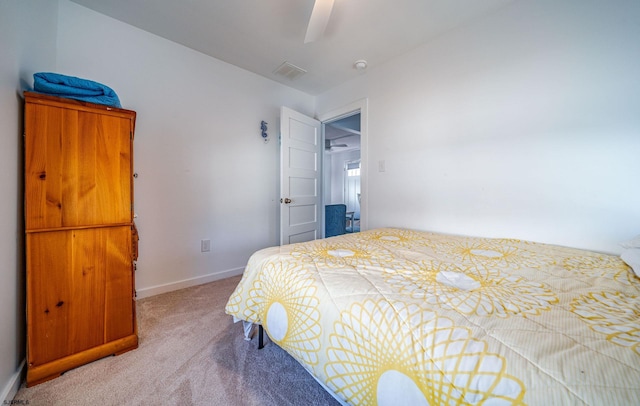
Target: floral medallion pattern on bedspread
(395, 316)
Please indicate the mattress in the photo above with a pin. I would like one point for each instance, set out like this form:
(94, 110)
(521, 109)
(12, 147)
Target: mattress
(396, 316)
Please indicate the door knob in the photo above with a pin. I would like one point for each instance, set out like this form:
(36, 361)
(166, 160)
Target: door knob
(286, 200)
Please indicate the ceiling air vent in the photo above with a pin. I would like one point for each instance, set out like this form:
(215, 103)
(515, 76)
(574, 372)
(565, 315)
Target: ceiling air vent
(290, 71)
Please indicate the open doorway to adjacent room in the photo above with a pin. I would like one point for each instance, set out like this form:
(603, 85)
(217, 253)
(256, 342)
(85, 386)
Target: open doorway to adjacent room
(342, 164)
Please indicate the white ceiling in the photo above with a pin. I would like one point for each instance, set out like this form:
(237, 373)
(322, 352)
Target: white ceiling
(259, 35)
(343, 134)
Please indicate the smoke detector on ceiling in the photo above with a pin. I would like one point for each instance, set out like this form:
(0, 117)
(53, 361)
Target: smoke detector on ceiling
(360, 64)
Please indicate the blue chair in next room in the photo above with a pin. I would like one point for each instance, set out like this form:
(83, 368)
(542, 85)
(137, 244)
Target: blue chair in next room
(335, 219)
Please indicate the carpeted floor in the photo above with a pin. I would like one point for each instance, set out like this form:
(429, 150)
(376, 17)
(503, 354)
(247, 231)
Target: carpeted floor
(190, 353)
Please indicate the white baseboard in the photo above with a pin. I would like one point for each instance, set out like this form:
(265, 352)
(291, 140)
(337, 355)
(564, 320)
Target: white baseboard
(11, 388)
(186, 283)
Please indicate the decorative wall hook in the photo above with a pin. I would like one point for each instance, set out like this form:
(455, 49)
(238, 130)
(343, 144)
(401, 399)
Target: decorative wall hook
(263, 129)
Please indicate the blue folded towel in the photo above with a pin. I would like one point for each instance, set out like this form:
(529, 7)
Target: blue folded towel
(71, 87)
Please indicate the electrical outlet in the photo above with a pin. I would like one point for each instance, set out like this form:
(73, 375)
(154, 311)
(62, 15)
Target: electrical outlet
(205, 245)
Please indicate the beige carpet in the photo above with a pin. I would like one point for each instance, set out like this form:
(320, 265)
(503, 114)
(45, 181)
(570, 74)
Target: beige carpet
(190, 353)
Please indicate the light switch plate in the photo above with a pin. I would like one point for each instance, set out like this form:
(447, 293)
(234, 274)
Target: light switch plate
(205, 245)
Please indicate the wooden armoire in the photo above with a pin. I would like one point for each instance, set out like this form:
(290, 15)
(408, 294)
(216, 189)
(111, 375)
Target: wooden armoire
(81, 242)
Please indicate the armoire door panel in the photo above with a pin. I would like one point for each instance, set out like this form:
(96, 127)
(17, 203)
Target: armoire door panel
(119, 306)
(78, 168)
(47, 130)
(48, 287)
(104, 169)
(79, 294)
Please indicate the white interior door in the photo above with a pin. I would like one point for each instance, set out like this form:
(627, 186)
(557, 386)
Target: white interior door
(300, 183)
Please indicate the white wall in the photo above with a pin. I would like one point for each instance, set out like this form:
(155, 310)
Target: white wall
(335, 187)
(525, 124)
(204, 171)
(27, 44)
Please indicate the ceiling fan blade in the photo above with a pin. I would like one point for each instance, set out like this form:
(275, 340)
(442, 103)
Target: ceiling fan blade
(319, 19)
(331, 147)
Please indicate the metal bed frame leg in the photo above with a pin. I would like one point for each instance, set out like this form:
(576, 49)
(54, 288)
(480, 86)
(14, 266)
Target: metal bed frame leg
(260, 337)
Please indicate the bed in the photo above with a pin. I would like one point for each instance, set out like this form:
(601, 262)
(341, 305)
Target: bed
(404, 317)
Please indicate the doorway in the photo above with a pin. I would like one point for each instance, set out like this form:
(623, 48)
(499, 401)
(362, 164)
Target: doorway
(342, 166)
(352, 195)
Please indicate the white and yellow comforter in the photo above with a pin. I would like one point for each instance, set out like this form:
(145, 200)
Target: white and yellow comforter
(394, 316)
